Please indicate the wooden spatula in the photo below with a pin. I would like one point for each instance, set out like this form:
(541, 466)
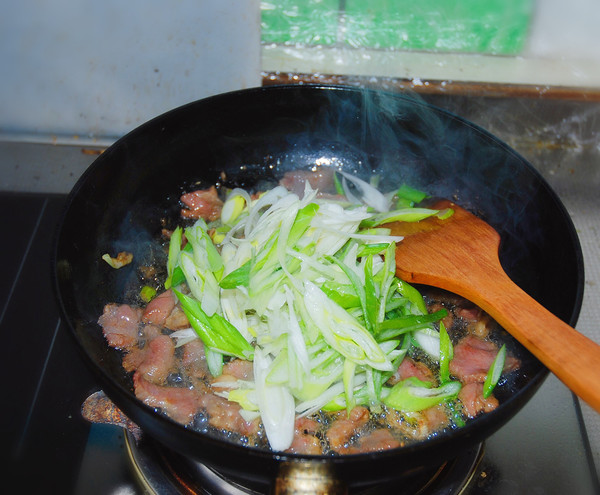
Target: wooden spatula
(460, 254)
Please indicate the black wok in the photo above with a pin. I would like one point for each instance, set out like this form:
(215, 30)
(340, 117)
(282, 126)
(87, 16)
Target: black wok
(255, 135)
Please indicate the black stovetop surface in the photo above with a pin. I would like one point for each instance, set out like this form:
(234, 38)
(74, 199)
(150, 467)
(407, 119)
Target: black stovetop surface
(45, 381)
(48, 446)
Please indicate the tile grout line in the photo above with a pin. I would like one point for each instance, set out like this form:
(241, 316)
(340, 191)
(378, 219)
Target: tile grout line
(587, 444)
(23, 259)
(21, 441)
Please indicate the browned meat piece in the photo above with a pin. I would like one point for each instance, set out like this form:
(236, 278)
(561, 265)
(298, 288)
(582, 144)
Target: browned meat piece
(408, 367)
(204, 203)
(436, 418)
(473, 358)
(239, 368)
(236, 369)
(305, 441)
(120, 324)
(134, 357)
(469, 313)
(478, 322)
(150, 332)
(414, 426)
(374, 441)
(343, 428)
(180, 404)
(147, 272)
(177, 319)
(159, 360)
(418, 425)
(295, 180)
(307, 425)
(225, 415)
(471, 396)
(158, 310)
(194, 359)
(305, 444)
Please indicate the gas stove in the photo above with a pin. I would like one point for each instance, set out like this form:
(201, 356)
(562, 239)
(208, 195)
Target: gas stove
(50, 446)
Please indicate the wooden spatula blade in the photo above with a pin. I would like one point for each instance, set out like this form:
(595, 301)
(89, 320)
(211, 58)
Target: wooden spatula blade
(460, 254)
(447, 253)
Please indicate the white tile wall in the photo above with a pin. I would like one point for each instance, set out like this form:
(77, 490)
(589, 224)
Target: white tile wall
(101, 68)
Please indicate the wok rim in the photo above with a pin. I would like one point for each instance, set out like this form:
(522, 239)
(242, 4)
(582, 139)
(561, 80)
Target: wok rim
(488, 422)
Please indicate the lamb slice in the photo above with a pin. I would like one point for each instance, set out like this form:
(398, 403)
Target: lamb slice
(204, 203)
(473, 358)
(240, 369)
(158, 310)
(225, 415)
(120, 324)
(322, 179)
(180, 404)
(134, 358)
(374, 441)
(344, 427)
(234, 370)
(436, 417)
(471, 396)
(305, 440)
(194, 360)
(409, 368)
(159, 360)
(478, 322)
(177, 320)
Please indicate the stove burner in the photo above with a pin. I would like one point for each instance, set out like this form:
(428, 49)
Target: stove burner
(162, 471)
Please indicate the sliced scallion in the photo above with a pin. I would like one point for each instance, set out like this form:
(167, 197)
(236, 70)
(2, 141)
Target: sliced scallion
(410, 193)
(413, 394)
(147, 293)
(446, 354)
(173, 256)
(493, 375)
(215, 331)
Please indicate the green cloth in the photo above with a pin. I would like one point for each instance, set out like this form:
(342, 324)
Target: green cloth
(309, 22)
(476, 26)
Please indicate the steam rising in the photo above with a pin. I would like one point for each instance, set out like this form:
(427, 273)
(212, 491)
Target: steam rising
(401, 139)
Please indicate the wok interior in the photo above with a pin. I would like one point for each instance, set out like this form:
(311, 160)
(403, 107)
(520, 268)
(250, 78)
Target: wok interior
(254, 136)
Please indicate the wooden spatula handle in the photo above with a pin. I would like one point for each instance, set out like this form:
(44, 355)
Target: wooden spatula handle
(571, 356)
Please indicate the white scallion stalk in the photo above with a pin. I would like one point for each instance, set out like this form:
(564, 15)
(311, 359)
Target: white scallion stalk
(343, 332)
(237, 200)
(295, 333)
(308, 407)
(429, 340)
(333, 224)
(202, 283)
(276, 405)
(230, 305)
(265, 200)
(214, 361)
(249, 416)
(369, 195)
(349, 373)
(183, 336)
